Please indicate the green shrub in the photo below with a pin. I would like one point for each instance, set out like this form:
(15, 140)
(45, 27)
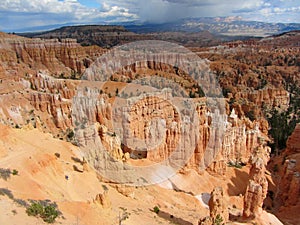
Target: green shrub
(237, 165)
(50, 213)
(218, 220)
(70, 134)
(35, 209)
(15, 172)
(46, 211)
(156, 209)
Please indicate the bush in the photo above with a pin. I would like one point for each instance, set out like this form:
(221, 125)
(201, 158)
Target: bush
(47, 212)
(236, 164)
(218, 220)
(50, 213)
(35, 209)
(156, 209)
(15, 172)
(70, 134)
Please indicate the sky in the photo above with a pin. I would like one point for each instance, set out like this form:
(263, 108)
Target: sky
(20, 15)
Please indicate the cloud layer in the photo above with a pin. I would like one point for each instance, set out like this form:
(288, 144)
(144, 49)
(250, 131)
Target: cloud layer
(18, 14)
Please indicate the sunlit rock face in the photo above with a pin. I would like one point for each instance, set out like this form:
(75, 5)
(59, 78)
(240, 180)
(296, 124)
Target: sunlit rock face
(293, 143)
(289, 182)
(52, 54)
(218, 205)
(159, 127)
(257, 187)
(151, 127)
(59, 57)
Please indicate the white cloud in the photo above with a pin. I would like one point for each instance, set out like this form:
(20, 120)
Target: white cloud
(27, 13)
(116, 11)
(266, 11)
(50, 6)
(286, 10)
(61, 7)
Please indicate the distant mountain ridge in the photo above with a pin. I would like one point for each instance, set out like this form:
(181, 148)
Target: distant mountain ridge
(206, 31)
(107, 36)
(215, 25)
(232, 26)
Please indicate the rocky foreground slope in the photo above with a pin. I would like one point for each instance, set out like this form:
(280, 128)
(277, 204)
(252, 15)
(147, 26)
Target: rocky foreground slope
(55, 171)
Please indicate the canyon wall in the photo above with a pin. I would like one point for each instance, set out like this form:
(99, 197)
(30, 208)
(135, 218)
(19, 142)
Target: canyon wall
(289, 185)
(287, 179)
(60, 57)
(150, 128)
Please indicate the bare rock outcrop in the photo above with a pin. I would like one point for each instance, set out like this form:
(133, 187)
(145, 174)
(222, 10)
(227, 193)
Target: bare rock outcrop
(290, 183)
(206, 221)
(125, 190)
(257, 187)
(241, 138)
(269, 97)
(156, 141)
(152, 138)
(286, 176)
(111, 142)
(293, 143)
(60, 57)
(55, 106)
(218, 205)
(57, 56)
(161, 130)
(218, 208)
(103, 200)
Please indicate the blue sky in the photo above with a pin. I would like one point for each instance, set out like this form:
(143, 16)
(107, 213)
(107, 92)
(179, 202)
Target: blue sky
(16, 15)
